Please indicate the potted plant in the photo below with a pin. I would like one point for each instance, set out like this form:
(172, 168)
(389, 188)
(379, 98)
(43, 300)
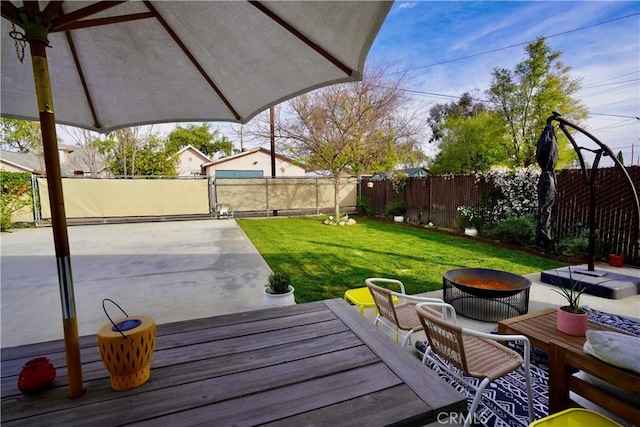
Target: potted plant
(278, 292)
(468, 220)
(572, 319)
(397, 211)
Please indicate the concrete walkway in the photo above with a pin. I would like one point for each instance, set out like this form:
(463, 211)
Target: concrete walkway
(174, 270)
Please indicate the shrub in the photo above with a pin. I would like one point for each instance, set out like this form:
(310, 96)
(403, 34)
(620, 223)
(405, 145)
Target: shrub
(15, 194)
(515, 230)
(573, 246)
(576, 244)
(396, 208)
(364, 204)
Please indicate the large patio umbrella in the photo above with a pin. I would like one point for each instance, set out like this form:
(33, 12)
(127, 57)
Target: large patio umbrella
(113, 64)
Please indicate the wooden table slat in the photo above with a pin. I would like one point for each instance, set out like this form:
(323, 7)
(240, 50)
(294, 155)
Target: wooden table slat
(290, 400)
(378, 409)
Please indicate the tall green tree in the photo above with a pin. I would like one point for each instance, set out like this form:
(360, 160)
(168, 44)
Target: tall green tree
(527, 95)
(153, 159)
(201, 137)
(464, 108)
(132, 153)
(470, 145)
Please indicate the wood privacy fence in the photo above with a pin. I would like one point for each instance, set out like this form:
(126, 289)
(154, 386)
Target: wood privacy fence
(436, 198)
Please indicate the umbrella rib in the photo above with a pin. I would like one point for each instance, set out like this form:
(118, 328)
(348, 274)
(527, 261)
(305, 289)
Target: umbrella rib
(193, 60)
(61, 21)
(87, 23)
(10, 11)
(335, 61)
(87, 95)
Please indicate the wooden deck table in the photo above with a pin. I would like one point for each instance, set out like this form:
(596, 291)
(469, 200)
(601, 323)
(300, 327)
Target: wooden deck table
(318, 363)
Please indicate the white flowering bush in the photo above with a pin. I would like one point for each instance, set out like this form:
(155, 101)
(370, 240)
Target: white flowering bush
(514, 192)
(467, 217)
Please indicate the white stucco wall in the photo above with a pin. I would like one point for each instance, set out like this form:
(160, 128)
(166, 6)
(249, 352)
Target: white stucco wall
(189, 162)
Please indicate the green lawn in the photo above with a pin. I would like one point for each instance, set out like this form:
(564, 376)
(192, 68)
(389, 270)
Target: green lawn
(324, 260)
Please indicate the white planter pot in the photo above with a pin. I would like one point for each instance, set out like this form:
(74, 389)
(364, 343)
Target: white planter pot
(279, 300)
(398, 218)
(471, 231)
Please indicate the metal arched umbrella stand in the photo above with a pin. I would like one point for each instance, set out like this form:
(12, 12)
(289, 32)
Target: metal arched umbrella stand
(589, 177)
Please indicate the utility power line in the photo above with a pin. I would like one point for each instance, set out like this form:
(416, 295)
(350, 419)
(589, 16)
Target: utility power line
(517, 44)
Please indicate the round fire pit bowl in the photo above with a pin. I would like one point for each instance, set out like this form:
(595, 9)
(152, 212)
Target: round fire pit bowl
(486, 295)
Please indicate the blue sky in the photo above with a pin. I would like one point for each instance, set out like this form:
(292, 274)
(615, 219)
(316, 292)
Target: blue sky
(606, 55)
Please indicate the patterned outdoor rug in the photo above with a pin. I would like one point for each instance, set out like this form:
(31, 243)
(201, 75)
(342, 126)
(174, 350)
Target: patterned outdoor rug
(504, 401)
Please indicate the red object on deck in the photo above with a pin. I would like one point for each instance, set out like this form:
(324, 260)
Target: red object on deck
(37, 374)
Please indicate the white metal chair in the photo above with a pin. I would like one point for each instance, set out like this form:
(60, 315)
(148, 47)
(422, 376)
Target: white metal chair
(396, 309)
(476, 354)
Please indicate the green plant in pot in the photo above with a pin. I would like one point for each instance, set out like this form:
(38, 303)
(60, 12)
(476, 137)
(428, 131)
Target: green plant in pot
(572, 319)
(468, 219)
(279, 291)
(397, 211)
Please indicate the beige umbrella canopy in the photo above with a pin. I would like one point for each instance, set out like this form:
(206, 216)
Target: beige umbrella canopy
(115, 64)
(186, 61)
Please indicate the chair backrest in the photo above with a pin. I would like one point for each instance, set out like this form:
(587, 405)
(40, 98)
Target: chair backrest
(445, 338)
(384, 302)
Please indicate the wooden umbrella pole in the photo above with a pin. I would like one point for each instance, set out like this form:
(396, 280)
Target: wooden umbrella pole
(58, 216)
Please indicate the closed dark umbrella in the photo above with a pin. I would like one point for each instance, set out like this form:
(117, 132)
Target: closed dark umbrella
(547, 157)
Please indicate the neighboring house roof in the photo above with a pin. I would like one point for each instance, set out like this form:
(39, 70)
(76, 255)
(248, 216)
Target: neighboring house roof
(27, 161)
(247, 153)
(76, 160)
(191, 147)
(15, 165)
